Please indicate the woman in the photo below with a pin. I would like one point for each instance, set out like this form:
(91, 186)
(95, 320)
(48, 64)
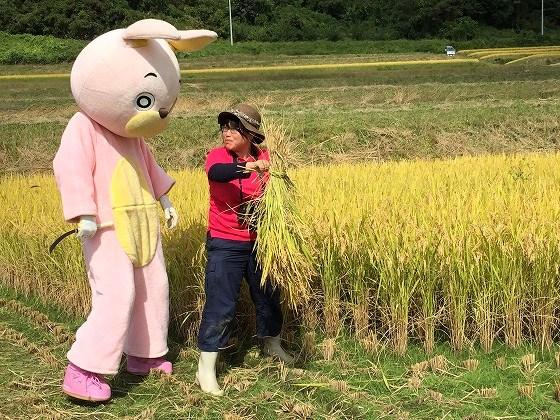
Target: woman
(237, 172)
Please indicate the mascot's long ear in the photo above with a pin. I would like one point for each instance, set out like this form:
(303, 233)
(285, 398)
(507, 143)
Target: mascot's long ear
(193, 40)
(151, 29)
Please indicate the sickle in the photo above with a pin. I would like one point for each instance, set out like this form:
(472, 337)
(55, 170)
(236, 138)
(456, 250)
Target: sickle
(70, 232)
(60, 238)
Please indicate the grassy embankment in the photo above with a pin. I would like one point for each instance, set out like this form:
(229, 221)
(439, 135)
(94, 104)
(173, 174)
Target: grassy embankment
(433, 111)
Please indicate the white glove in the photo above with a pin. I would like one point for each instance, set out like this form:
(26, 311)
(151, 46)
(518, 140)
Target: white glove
(87, 227)
(171, 216)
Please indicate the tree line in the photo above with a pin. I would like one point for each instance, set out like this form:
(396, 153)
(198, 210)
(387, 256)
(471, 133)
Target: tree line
(285, 20)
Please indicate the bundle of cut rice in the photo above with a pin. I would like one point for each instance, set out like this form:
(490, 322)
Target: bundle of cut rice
(282, 237)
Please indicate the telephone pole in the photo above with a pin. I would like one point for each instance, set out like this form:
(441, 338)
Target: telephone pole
(542, 17)
(230, 24)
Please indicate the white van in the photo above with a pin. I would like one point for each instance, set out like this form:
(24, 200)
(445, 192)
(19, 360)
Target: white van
(450, 51)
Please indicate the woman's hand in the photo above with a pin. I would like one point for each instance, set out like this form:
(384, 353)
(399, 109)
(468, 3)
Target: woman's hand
(259, 166)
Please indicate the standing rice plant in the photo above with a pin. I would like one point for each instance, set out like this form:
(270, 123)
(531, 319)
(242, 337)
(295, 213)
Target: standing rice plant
(458, 286)
(324, 303)
(398, 280)
(543, 255)
(507, 267)
(331, 280)
(485, 294)
(358, 279)
(428, 255)
(360, 293)
(29, 225)
(428, 286)
(186, 259)
(282, 240)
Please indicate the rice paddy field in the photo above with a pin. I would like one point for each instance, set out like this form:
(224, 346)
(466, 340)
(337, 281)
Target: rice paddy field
(549, 55)
(430, 196)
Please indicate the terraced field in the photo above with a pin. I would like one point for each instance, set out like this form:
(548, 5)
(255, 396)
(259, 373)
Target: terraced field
(548, 55)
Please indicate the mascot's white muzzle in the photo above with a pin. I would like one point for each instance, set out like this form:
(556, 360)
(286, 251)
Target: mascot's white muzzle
(147, 123)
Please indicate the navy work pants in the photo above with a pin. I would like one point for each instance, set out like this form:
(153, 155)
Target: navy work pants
(228, 263)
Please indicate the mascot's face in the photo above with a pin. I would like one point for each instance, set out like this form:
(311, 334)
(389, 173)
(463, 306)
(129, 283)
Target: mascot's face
(129, 86)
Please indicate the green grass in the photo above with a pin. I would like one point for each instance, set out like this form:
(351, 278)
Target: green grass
(353, 384)
(30, 49)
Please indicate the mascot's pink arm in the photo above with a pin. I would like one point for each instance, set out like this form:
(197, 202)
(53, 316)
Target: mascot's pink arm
(73, 167)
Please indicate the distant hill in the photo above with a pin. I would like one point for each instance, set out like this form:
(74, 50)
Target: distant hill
(285, 20)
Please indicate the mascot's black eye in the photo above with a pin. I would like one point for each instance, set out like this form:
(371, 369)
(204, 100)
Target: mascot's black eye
(144, 101)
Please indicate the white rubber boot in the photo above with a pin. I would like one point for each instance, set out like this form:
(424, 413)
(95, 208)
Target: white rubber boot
(206, 375)
(272, 347)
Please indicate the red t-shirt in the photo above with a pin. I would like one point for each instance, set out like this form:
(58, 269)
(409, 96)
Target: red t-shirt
(225, 197)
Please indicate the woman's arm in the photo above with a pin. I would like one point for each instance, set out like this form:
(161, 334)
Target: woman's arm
(225, 172)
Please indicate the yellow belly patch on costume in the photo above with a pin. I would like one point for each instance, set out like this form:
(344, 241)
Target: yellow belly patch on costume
(134, 213)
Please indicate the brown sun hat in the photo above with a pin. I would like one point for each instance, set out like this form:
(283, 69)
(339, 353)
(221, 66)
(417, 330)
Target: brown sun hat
(249, 118)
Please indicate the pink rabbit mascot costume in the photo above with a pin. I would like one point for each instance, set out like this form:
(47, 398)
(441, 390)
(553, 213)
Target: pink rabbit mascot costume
(125, 83)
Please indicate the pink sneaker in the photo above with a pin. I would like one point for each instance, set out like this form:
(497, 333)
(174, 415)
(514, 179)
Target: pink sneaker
(143, 365)
(85, 385)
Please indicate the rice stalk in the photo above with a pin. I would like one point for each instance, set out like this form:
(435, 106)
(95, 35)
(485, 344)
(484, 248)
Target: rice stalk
(330, 274)
(356, 267)
(526, 390)
(429, 283)
(542, 254)
(556, 393)
(471, 364)
(485, 296)
(487, 392)
(501, 363)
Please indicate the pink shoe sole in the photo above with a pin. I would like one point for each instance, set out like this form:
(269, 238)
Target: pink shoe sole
(144, 366)
(83, 397)
(137, 372)
(144, 373)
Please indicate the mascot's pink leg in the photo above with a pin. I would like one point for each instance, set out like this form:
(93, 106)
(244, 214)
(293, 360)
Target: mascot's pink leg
(146, 341)
(100, 340)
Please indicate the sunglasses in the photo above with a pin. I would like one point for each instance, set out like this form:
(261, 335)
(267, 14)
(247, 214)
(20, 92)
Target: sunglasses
(230, 125)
